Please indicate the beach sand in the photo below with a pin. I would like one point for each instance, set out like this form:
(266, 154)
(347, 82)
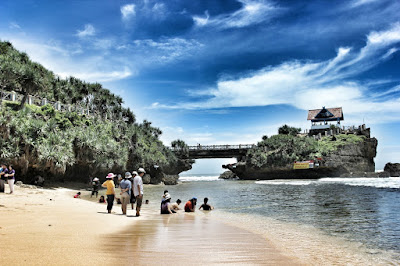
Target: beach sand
(50, 227)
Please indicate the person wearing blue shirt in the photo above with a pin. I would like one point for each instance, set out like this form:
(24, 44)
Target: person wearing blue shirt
(125, 186)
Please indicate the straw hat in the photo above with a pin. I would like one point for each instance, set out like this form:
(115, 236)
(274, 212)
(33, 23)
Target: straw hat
(110, 175)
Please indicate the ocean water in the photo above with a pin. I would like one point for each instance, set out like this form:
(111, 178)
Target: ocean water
(362, 214)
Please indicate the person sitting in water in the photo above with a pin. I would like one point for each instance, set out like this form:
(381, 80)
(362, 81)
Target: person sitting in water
(190, 205)
(77, 195)
(102, 200)
(163, 196)
(175, 206)
(166, 206)
(206, 206)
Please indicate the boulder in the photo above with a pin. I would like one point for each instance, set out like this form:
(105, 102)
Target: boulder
(170, 179)
(393, 169)
(228, 175)
(146, 179)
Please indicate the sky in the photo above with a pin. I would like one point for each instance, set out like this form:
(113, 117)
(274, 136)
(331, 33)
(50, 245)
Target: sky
(225, 71)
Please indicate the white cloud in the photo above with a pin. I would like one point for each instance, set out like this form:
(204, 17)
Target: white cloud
(98, 76)
(166, 49)
(308, 84)
(252, 12)
(14, 26)
(63, 60)
(128, 11)
(89, 30)
(357, 3)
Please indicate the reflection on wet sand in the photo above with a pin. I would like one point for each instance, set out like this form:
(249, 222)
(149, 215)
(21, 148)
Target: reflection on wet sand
(191, 239)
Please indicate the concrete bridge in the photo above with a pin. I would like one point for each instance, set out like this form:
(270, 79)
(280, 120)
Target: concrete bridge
(218, 151)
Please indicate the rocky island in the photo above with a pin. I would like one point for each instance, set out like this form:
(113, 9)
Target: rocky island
(327, 150)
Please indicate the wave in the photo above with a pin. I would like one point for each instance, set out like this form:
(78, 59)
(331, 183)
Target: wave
(286, 182)
(198, 178)
(388, 182)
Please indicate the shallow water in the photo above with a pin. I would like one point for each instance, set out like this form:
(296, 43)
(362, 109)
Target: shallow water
(362, 211)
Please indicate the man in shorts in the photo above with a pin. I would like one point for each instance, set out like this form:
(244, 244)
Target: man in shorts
(138, 189)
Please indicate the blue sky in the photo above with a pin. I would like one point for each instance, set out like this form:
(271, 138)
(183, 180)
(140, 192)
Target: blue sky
(217, 72)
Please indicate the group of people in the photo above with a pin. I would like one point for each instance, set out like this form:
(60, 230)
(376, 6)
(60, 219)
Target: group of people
(131, 190)
(169, 208)
(7, 174)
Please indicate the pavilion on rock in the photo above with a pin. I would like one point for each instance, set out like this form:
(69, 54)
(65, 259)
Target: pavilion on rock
(325, 118)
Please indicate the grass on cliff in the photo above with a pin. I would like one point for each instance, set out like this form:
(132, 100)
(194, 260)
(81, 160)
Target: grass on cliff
(282, 150)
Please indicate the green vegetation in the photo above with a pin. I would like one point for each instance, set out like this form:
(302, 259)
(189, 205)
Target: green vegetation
(287, 130)
(44, 140)
(283, 149)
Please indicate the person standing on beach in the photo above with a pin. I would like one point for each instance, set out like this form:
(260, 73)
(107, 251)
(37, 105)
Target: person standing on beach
(95, 187)
(109, 184)
(3, 171)
(125, 186)
(138, 189)
(190, 205)
(11, 178)
(133, 199)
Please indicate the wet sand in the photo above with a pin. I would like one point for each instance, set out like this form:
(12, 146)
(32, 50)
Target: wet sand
(50, 227)
(192, 239)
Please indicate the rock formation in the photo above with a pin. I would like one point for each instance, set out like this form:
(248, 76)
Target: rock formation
(393, 169)
(345, 160)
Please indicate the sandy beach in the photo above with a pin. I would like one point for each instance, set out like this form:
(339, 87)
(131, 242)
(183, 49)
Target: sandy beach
(50, 227)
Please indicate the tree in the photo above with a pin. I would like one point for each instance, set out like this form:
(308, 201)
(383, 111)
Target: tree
(287, 130)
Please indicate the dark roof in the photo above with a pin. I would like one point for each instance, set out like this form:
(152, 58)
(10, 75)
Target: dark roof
(325, 114)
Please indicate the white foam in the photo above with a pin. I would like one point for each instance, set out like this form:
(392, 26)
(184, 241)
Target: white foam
(198, 178)
(286, 182)
(387, 182)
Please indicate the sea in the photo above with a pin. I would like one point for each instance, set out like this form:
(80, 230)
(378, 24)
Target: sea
(356, 215)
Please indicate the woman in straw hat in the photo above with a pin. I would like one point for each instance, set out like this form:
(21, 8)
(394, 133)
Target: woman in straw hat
(109, 184)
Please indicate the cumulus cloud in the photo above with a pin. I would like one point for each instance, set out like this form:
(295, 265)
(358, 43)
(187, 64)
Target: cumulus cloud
(252, 12)
(128, 11)
(310, 84)
(89, 30)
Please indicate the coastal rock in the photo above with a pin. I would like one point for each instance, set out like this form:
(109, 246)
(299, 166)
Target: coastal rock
(351, 158)
(146, 179)
(170, 179)
(393, 169)
(357, 157)
(228, 175)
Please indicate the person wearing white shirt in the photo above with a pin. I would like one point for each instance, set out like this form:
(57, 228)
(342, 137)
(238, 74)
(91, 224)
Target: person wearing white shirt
(138, 189)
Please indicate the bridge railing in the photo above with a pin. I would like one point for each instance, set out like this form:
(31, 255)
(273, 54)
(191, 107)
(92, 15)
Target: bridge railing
(221, 147)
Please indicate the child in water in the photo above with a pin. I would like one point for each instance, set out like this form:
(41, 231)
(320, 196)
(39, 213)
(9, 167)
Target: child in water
(77, 195)
(206, 206)
(102, 200)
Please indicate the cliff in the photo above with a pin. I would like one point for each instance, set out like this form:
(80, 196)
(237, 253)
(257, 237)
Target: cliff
(273, 158)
